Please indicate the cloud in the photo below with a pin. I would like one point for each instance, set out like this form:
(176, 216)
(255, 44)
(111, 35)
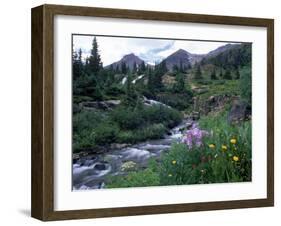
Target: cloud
(113, 49)
(153, 55)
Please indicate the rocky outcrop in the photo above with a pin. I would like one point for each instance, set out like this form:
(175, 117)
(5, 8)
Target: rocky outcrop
(240, 111)
(212, 104)
(100, 105)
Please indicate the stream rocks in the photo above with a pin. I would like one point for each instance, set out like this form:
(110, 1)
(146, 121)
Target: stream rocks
(92, 170)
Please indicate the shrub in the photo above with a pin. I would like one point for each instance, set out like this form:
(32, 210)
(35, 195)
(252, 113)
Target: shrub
(105, 133)
(154, 131)
(161, 114)
(178, 101)
(127, 118)
(246, 84)
(142, 178)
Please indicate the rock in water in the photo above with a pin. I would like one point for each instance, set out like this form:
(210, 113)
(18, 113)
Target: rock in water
(239, 111)
(100, 166)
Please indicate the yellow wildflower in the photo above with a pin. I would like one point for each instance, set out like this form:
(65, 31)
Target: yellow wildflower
(224, 147)
(212, 146)
(170, 175)
(174, 162)
(235, 158)
(233, 141)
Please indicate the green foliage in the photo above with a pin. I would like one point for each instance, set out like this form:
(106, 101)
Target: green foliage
(131, 97)
(105, 133)
(225, 156)
(87, 85)
(83, 124)
(180, 166)
(122, 125)
(237, 74)
(179, 101)
(124, 68)
(94, 62)
(198, 73)
(227, 75)
(213, 75)
(161, 114)
(179, 86)
(77, 64)
(234, 57)
(142, 68)
(127, 118)
(246, 84)
(142, 178)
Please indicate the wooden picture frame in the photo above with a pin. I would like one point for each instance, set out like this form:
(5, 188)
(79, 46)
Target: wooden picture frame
(43, 108)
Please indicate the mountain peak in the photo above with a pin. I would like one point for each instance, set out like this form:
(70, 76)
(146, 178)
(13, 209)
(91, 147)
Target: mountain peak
(181, 51)
(129, 55)
(129, 59)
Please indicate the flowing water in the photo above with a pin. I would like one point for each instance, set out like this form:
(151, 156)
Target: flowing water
(91, 171)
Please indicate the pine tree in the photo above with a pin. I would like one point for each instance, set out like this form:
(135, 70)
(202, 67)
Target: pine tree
(131, 97)
(142, 68)
(95, 64)
(227, 75)
(198, 73)
(77, 64)
(237, 74)
(179, 86)
(213, 75)
(150, 84)
(134, 67)
(221, 74)
(124, 68)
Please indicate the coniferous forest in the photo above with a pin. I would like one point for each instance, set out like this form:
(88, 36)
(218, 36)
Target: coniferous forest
(184, 119)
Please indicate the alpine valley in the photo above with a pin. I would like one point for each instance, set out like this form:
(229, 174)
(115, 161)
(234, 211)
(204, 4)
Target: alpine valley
(183, 120)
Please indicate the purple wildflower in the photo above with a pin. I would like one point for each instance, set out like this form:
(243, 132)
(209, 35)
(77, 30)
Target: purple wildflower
(194, 136)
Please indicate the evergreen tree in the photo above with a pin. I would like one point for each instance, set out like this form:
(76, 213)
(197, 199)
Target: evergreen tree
(124, 68)
(150, 84)
(142, 68)
(179, 86)
(134, 67)
(77, 64)
(117, 69)
(213, 75)
(227, 75)
(181, 67)
(237, 74)
(95, 64)
(198, 73)
(159, 71)
(221, 74)
(131, 97)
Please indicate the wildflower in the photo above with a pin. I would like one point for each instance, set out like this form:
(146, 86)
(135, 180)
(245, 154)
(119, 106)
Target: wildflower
(169, 175)
(224, 147)
(233, 141)
(194, 136)
(212, 146)
(174, 162)
(235, 158)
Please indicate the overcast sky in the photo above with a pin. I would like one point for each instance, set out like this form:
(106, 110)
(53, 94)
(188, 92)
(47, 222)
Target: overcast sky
(113, 49)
